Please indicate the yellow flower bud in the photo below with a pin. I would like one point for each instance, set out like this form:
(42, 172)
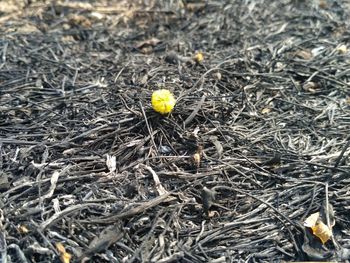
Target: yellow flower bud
(163, 101)
(198, 57)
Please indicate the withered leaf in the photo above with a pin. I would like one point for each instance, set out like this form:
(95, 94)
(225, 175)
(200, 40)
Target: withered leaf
(208, 198)
(311, 220)
(322, 231)
(107, 237)
(65, 257)
(304, 54)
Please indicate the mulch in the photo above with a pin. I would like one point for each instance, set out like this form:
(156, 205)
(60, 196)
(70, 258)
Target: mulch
(257, 142)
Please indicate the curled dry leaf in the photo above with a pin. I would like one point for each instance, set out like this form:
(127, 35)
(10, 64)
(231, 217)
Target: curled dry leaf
(310, 86)
(148, 42)
(79, 20)
(322, 231)
(323, 4)
(195, 7)
(312, 220)
(217, 76)
(304, 54)
(64, 255)
(265, 110)
(213, 214)
(319, 229)
(342, 49)
(208, 198)
(23, 229)
(196, 159)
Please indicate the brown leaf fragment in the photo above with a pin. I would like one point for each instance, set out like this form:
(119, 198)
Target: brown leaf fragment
(23, 229)
(8, 7)
(195, 7)
(342, 49)
(265, 110)
(79, 20)
(213, 214)
(27, 29)
(304, 54)
(217, 75)
(152, 42)
(103, 241)
(323, 4)
(310, 86)
(314, 250)
(65, 257)
(322, 231)
(319, 229)
(196, 159)
(311, 220)
(208, 198)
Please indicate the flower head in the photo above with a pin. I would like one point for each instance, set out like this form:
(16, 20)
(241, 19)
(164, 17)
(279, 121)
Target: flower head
(198, 57)
(163, 101)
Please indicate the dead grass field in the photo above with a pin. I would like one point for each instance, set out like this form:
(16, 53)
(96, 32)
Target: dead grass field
(257, 142)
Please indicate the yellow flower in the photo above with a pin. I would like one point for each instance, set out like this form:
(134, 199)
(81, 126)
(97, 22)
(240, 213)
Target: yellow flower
(163, 101)
(198, 57)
